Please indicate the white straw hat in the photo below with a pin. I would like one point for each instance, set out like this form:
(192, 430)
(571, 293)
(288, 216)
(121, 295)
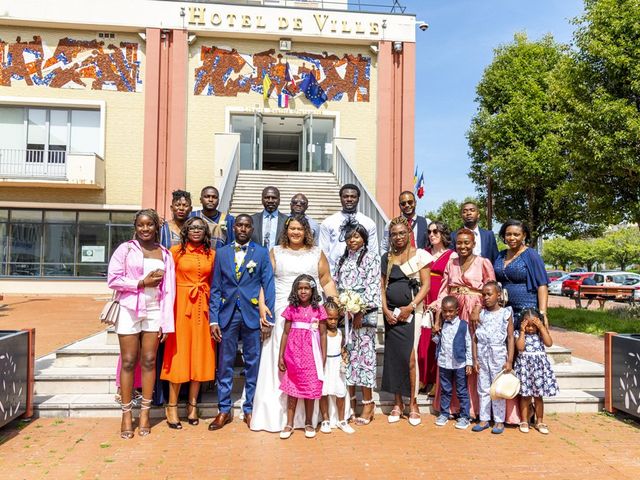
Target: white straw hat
(506, 385)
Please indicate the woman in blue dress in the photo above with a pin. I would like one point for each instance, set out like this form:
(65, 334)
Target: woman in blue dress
(521, 271)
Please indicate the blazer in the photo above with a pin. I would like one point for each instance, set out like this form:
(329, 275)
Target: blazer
(257, 227)
(488, 247)
(229, 292)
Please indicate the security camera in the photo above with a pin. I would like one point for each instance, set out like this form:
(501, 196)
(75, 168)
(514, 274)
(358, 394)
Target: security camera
(423, 26)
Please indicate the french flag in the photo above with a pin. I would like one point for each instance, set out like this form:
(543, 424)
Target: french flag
(283, 100)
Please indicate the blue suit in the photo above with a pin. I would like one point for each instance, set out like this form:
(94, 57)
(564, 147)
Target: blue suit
(234, 307)
(488, 245)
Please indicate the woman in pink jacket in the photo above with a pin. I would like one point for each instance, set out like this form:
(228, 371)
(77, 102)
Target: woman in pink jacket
(142, 272)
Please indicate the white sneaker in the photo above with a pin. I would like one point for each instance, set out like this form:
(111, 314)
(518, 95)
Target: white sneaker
(325, 426)
(345, 427)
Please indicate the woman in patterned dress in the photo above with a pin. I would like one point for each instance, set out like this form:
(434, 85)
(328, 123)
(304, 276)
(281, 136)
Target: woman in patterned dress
(359, 270)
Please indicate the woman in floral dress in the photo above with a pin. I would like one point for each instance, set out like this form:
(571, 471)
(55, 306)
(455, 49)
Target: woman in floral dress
(359, 270)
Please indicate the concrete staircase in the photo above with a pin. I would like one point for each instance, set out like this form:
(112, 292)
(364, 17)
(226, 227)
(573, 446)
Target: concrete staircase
(321, 189)
(79, 381)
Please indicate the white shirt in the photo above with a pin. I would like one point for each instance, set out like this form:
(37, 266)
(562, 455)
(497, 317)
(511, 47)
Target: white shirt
(269, 226)
(240, 253)
(477, 249)
(448, 333)
(330, 232)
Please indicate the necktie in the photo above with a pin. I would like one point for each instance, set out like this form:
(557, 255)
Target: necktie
(413, 237)
(267, 233)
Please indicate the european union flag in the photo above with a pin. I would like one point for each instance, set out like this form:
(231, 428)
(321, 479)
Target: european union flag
(312, 90)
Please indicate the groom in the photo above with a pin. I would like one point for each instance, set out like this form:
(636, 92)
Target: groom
(240, 270)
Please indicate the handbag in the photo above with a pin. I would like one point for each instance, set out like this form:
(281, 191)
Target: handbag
(110, 311)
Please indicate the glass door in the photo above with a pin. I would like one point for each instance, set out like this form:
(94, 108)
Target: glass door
(307, 144)
(250, 129)
(257, 141)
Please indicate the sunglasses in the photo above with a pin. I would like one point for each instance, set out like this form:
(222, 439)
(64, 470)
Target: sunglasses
(298, 202)
(407, 202)
(433, 231)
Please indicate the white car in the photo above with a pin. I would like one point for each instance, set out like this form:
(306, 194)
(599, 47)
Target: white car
(555, 287)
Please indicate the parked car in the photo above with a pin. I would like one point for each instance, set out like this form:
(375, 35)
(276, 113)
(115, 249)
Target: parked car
(554, 275)
(614, 277)
(555, 287)
(571, 286)
(635, 283)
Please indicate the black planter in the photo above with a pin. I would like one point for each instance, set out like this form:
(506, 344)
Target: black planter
(15, 372)
(625, 373)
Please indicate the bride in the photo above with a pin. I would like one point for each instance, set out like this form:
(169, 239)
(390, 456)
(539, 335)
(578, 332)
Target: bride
(295, 255)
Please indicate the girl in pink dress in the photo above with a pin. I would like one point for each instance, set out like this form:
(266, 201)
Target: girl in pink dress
(303, 352)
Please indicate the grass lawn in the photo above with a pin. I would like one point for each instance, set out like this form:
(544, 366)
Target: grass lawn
(593, 321)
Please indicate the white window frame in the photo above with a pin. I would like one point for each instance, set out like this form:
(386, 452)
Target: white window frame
(53, 103)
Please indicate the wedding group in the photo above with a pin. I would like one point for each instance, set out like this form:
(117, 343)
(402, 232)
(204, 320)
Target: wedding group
(296, 304)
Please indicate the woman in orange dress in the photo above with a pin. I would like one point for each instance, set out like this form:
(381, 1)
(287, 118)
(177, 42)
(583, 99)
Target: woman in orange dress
(189, 354)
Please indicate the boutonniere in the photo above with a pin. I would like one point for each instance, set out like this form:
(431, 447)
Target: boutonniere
(223, 226)
(254, 301)
(251, 266)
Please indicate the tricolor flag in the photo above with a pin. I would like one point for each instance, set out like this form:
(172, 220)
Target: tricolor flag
(420, 190)
(266, 85)
(415, 179)
(289, 84)
(283, 100)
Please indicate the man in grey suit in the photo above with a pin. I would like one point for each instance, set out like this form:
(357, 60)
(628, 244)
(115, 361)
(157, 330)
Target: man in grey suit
(269, 223)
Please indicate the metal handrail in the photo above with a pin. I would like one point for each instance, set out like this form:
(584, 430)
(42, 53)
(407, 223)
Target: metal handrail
(367, 204)
(228, 182)
(33, 163)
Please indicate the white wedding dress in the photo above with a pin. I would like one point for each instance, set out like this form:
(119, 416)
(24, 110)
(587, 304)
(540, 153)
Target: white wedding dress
(270, 403)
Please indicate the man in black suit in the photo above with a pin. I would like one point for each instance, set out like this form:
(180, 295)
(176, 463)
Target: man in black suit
(269, 223)
(486, 245)
(418, 224)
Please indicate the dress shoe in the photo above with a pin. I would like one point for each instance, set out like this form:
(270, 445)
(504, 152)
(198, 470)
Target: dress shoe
(247, 419)
(221, 420)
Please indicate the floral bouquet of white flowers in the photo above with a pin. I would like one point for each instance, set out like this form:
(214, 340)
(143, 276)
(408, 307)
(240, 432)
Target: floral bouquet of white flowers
(351, 302)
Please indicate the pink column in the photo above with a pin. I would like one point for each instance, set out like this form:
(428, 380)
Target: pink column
(396, 115)
(165, 117)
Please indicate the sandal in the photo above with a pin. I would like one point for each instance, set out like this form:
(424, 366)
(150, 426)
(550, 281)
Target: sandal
(542, 428)
(193, 421)
(414, 419)
(173, 426)
(309, 431)
(524, 427)
(395, 414)
(145, 404)
(286, 432)
(127, 434)
(362, 420)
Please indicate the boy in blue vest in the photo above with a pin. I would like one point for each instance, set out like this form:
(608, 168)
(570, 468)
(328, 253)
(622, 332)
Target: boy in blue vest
(455, 361)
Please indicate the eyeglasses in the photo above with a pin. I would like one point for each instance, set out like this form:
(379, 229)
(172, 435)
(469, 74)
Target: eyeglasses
(196, 228)
(407, 202)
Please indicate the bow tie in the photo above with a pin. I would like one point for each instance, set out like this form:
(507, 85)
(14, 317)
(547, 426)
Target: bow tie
(241, 247)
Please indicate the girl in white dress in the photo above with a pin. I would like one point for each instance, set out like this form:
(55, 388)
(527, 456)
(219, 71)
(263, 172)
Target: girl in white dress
(334, 389)
(296, 255)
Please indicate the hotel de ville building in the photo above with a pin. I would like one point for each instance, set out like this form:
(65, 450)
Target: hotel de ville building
(107, 107)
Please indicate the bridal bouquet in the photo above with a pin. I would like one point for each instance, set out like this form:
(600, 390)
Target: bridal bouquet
(352, 302)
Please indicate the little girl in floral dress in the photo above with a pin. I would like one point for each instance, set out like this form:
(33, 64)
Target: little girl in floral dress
(303, 352)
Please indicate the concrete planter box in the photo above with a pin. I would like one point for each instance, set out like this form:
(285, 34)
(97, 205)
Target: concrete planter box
(16, 372)
(625, 373)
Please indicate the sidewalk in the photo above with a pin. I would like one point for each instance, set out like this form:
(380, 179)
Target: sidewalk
(58, 320)
(596, 447)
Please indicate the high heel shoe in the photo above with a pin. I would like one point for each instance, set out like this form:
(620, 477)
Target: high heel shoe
(145, 404)
(362, 420)
(127, 434)
(193, 421)
(173, 426)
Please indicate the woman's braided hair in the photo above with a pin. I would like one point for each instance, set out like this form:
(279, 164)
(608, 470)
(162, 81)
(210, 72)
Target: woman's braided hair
(400, 220)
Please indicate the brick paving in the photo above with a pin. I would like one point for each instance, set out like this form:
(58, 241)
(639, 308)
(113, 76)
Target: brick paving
(58, 320)
(579, 447)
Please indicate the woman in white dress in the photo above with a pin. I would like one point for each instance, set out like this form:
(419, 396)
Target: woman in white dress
(296, 255)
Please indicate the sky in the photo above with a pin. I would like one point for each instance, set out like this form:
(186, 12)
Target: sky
(451, 57)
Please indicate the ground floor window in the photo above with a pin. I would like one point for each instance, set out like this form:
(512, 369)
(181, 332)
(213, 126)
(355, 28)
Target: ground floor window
(60, 243)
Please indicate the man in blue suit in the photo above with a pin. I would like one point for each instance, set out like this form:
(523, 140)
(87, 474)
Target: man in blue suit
(241, 269)
(486, 245)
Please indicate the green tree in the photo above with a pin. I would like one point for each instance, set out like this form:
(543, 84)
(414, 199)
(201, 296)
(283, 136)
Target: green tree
(517, 139)
(622, 247)
(558, 252)
(449, 213)
(602, 99)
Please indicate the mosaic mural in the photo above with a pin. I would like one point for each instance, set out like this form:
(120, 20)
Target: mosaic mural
(72, 64)
(226, 72)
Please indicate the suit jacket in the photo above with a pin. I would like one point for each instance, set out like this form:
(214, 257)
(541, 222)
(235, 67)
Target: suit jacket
(257, 228)
(228, 291)
(488, 247)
